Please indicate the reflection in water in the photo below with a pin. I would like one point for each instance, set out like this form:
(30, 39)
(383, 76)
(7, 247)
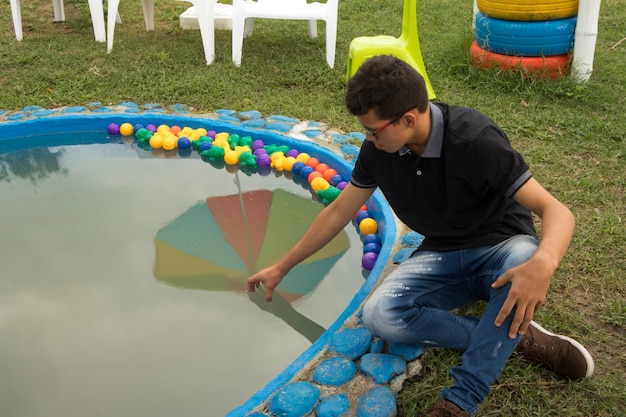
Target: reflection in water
(32, 164)
(86, 329)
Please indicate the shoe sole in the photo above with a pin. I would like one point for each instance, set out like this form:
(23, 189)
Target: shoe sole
(575, 343)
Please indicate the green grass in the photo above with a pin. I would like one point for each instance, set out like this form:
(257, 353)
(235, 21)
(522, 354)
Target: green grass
(573, 136)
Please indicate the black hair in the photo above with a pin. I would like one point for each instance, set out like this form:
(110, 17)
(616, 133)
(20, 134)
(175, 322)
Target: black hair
(387, 85)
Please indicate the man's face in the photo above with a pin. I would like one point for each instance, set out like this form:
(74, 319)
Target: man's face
(387, 134)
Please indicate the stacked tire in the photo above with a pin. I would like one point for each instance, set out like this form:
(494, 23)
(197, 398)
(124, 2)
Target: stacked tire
(535, 36)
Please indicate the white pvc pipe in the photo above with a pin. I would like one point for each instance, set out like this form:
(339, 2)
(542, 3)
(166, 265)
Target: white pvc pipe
(585, 39)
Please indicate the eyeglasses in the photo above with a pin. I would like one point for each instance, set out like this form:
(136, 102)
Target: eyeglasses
(380, 129)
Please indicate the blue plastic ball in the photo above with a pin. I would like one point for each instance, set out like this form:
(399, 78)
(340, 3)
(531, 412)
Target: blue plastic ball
(183, 143)
(205, 146)
(371, 247)
(372, 238)
(304, 173)
(297, 167)
(335, 179)
(363, 214)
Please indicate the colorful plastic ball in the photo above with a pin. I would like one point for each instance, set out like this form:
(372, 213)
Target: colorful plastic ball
(321, 167)
(205, 146)
(371, 247)
(156, 142)
(335, 179)
(303, 157)
(371, 238)
(183, 143)
(342, 185)
(329, 173)
(297, 167)
(175, 129)
(361, 215)
(319, 184)
(305, 172)
(113, 129)
(137, 126)
(313, 175)
(151, 127)
(231, 158)
(368, 260)
(292, 152)
(126, 129)
(312, 162)
(257, 144)
(263, 160)
(169, 143)
(368, 226)
(288, 163)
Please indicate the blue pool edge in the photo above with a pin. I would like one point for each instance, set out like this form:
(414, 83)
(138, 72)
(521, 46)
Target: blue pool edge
(305, 136)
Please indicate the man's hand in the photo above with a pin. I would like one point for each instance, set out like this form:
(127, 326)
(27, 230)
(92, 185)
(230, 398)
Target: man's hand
(270, 277)
(529, 286)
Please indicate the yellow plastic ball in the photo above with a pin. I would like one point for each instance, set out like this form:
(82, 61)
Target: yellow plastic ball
(170, 142)
(303, 157)
(368, 226)
(126, 129)
(163, 128)
(156, 141)
(231, 158)
(319, 184)
(288, 163)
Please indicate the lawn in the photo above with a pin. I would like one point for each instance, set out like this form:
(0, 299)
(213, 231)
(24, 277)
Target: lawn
(572, 135)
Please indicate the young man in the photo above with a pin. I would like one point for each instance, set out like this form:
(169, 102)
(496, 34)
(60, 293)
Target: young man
(450, 174)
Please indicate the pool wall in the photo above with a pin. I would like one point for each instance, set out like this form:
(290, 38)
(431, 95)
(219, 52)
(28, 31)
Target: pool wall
(346, 339)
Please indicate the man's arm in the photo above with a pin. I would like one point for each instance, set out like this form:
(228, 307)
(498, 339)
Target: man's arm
(324, 228)
(531, 280)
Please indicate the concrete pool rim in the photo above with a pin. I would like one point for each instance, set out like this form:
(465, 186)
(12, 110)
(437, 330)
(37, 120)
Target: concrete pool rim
(311, 137)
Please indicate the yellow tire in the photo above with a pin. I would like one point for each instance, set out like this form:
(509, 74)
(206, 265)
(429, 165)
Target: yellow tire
(525, 10)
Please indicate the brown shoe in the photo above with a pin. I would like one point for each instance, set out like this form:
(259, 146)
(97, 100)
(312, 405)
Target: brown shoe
(560, 354)
(445, 408)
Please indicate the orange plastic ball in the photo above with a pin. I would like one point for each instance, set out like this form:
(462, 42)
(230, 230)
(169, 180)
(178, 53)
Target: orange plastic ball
(312, 162)
(313, 175)
(321, 167)
(329, 173)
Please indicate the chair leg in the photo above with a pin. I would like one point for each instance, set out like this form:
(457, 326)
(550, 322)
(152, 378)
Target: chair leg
(148, 13)
(16, 11)
(59, 11)
(97, 19)
(313, 28)
(238, 31)
(206, 21)
(111, 18)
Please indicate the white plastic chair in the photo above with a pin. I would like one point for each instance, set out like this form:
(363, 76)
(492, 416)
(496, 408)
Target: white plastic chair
(95, 8)
(245, 11)
(204, 12)
(113, 17)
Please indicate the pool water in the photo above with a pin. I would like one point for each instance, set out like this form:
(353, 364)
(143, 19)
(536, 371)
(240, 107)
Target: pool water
(94, 322)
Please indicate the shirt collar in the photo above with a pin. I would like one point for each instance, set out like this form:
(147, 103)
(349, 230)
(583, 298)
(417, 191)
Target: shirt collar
(435, 139)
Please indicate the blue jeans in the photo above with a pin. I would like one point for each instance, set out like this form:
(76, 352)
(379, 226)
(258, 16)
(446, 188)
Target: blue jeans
(414, 304)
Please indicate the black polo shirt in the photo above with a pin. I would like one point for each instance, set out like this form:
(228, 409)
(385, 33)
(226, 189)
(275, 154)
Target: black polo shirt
(458, 193)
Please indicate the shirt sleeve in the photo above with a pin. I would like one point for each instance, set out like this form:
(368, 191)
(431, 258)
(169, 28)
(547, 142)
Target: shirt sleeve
(361, 174)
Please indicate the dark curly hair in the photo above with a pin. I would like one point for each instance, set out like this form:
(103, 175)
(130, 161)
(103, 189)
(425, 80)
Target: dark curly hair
(387, 85)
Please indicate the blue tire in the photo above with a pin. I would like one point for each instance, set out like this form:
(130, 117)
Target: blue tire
(525, 38)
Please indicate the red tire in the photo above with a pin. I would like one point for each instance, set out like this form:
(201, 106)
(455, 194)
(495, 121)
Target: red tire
(553, 67)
